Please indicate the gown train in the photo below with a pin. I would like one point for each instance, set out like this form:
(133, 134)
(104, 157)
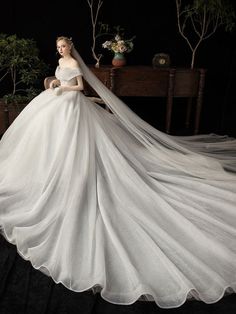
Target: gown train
(104, 201)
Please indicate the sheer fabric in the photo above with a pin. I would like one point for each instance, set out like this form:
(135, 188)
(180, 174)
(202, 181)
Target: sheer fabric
(104, 201)
(222, 148)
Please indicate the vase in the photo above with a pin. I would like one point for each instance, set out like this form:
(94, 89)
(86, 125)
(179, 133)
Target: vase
(118, 60)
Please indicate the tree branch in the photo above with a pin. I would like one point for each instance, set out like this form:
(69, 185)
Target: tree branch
(94, 19)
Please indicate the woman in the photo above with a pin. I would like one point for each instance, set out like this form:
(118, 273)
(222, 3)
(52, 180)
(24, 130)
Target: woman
(106, 202)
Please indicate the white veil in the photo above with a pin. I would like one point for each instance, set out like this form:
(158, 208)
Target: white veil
(107, 202)
(192, 154)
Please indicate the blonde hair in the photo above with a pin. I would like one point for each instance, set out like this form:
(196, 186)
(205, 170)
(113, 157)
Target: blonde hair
(66, 39)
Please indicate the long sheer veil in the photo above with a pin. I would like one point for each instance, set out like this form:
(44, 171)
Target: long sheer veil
(198, 155)
(104, 201)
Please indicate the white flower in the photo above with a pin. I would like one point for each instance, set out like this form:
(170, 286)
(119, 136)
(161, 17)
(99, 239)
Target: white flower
(107, 44)
(117, 37)
(118, 44)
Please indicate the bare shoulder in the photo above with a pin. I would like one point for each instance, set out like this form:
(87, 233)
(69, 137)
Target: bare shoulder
(60, 61)
(75, 63)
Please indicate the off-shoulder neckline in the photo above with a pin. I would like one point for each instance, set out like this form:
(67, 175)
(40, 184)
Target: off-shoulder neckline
(74, 68)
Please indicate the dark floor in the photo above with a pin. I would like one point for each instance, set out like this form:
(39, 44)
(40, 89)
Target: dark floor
(24, 290)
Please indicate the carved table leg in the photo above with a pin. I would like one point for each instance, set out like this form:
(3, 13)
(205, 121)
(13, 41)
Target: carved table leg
(169, 104)
(199, 100)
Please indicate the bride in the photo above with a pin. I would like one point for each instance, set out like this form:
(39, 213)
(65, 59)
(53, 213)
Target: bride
(104, 201)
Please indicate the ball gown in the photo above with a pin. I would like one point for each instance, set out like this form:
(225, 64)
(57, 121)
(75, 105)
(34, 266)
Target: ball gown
(101, 200)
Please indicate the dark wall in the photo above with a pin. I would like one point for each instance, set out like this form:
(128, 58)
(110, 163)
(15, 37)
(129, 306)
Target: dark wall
(153, 22)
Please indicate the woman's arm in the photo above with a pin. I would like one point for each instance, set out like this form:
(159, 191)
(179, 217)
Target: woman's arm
(78, 87)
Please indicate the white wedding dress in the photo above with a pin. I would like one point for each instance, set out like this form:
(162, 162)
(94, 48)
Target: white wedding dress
(104, 201)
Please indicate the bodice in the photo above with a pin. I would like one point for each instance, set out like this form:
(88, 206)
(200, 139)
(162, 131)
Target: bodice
(67, 76)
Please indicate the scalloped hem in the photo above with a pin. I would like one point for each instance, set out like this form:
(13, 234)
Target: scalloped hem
(142, 293)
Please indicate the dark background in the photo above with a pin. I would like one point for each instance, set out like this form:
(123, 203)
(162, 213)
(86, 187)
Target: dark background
(154, 24)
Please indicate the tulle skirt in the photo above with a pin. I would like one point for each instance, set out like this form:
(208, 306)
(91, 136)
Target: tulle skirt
(94, 208)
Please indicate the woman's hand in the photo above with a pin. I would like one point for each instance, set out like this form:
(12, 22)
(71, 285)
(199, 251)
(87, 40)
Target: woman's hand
(54, 84)
(58, 90)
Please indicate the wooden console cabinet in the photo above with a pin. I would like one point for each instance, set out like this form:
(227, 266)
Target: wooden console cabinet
(146, 81)
(143, 81)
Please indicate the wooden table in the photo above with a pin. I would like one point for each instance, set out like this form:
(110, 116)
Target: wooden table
(143, 81)
(146, 81)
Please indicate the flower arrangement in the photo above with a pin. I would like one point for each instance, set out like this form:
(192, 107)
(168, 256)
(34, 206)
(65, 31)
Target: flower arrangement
(119, 45)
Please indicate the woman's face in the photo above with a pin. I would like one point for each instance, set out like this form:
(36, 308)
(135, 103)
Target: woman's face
(63, 48)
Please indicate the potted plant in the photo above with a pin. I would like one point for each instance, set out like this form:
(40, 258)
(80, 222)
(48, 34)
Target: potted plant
(21, 71)
(119, 46)
(200, 19)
